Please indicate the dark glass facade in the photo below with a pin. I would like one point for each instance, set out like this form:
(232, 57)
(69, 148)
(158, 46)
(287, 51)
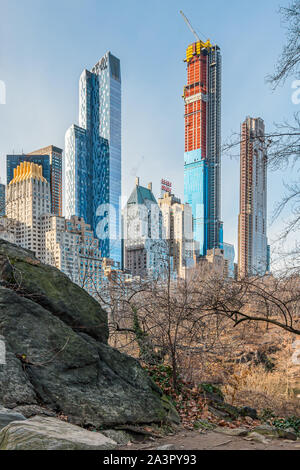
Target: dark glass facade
(55, 155)
(12, 161)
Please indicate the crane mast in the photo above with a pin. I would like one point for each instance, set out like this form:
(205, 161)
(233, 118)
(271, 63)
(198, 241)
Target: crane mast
(189, 26)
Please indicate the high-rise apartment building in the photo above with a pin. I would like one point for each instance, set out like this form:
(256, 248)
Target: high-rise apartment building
(2, 199)
(202, 158)
(70, 246)
(252, 237)
(28, 197)
(146, 252)
(55, 161)
(67, 244)
(50, 159)
(93, 155)
(177, 221)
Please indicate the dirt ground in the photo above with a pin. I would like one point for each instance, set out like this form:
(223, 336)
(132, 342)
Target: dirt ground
(195, 440)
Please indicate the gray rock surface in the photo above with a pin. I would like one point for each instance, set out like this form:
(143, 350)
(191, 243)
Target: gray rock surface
(247, 411)
(233, 432)
(166, 447)
(44, 433)
(120, 437)
(266, 430)
(7, 416)
(55, 364)
(32, 410)
(288, 433)
(53, 290)
(255, 436)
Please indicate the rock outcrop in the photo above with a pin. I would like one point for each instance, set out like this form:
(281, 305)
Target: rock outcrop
(57, 356)
(42, 433)
(7, 416)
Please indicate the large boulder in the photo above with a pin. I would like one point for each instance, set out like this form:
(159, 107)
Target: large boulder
(52, 363)
(40, 433)
(53, 290)
(7, 416)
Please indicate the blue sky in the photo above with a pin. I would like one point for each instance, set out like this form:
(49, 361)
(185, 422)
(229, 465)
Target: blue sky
(45, 45)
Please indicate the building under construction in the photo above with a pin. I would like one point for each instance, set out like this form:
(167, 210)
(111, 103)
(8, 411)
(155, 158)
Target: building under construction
(202, 158)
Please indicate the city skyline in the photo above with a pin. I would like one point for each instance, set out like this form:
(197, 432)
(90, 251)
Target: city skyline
(248, 97)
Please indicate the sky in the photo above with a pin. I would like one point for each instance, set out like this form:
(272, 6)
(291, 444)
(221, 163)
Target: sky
(45, 45)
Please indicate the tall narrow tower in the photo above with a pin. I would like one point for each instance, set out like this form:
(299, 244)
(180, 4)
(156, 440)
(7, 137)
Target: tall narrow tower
(93, 155)
(202, 158)
(252, 238)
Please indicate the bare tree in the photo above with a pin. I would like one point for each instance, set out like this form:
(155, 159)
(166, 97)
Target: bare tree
(283, 142)
(289, 60)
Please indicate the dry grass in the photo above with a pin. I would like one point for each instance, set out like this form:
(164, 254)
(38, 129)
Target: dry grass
(242, 384)
(256, 387)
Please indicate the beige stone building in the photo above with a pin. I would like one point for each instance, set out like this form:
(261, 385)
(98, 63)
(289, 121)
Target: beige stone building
(177, 223)
(69, 245)
(28, 197)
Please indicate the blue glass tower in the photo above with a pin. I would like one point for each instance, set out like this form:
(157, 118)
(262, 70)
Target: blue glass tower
(195, 193)
(93, 155)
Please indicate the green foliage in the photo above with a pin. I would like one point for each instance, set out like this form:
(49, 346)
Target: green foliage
(162, 374)
(290, 422)
(210, 388)
(204, 425)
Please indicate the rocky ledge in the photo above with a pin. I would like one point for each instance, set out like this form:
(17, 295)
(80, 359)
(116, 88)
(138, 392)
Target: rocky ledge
(57, 357)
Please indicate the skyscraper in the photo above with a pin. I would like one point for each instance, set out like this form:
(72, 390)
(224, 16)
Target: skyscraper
(177, 223)
(93, 155)
(55, 160)
(146, 252)
(13, 161)
(252, 238)
(202, 158)
(229, 256)
(28, 198)
(50, 158)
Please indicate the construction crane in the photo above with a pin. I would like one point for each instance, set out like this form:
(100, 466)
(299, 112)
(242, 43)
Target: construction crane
(190, 26)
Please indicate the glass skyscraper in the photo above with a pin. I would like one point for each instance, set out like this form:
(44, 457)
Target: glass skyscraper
(93, 155)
